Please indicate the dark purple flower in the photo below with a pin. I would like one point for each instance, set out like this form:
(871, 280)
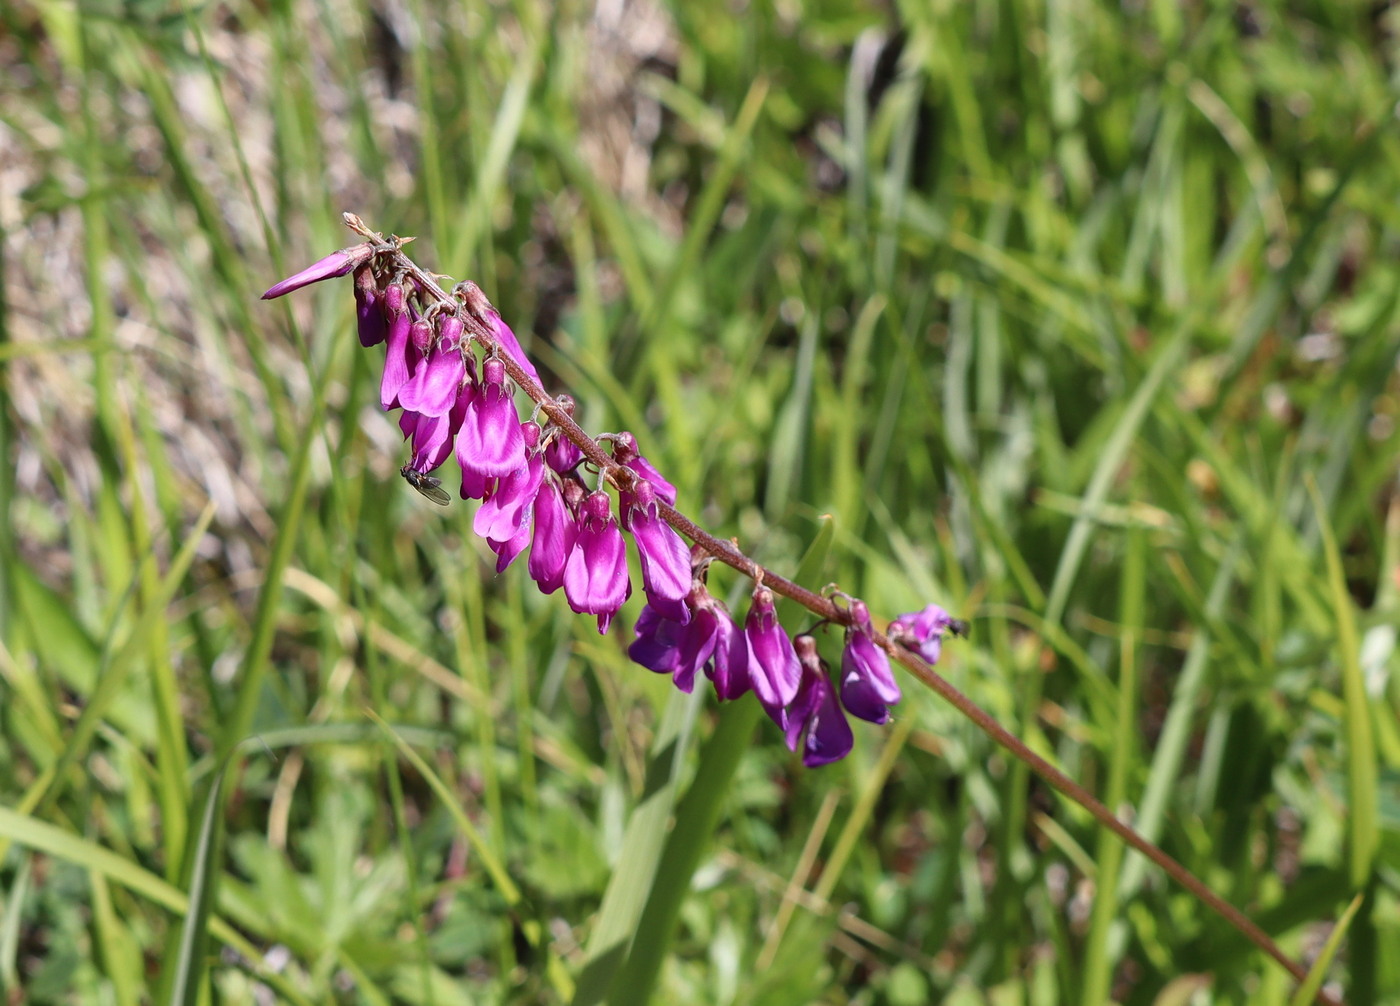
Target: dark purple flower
(340, 263)
(709, 640)
(490, 442)
(561, 453)
(657, 645)
(625, 453)
(666, 575)
(868, 687)
(773, 668)
(510, 500)
(595, 576)
(400, 357)
(815, 720)
(923, 631)
(555, 530)
(728, 665)
(369, 308)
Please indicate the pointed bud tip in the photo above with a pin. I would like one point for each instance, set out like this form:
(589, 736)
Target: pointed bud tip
(337, 263)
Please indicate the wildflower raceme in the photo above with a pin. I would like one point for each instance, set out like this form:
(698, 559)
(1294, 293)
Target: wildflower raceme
(452, 366)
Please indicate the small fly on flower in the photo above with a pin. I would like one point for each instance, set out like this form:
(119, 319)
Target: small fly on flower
(426, 485)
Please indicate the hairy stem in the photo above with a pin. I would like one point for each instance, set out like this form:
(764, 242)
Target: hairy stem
(728, 552)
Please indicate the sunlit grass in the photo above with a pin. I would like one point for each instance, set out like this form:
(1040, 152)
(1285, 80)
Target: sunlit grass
(1083, 323)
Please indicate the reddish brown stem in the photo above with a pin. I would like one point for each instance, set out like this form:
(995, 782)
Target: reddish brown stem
(728, 553)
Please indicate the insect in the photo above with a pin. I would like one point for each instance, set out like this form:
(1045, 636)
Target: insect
(426, 485)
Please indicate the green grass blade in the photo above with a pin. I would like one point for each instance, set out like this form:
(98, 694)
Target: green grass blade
(1363, 829)
(1306, 993)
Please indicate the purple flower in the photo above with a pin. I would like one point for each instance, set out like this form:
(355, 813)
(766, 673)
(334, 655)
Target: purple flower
(710, 640)
(728, 665)
(431, 438)
(339, 263)
(401, 357)
(477, 303)
(369, 308)
(923, 631)
(625, 453)
(868, 687)
(511, 345)
(561, 453)
(509, 550)
(490, 442)
(666, 575)
(773, 668)
(433, 388)
(510, 500)
(657, 645)
(815, 720)
(555, 531)
(595, 576)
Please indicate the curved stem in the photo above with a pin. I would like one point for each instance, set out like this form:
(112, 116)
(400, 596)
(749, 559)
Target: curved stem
(727, 552)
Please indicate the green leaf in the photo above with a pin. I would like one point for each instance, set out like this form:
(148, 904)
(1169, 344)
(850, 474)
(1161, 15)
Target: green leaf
(1363, 830)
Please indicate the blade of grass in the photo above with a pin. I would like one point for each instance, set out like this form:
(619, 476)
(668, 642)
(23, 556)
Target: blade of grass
(697, 817)
(633, 880)
(1306, 993)
(1098, 957)
(53, 841)
(1363, 829)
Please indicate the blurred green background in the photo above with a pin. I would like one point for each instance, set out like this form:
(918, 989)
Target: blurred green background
(1080, 318)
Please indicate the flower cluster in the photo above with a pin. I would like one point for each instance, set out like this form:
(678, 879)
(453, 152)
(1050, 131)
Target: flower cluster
(787, 676)
(445, 368)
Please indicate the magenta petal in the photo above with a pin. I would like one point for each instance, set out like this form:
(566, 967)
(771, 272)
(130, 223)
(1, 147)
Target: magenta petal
(666, 573)
(648, 471)
(867, 686)
(657, 643)
(475, 486)
(509, 550)
(507, 509)
(449, 330)
(595, 576)
(923, 631)
(562, 454)
(698, 642)
(339, 263)
(554, 538)
(369, 308)
(625, 452)
(828, 734)
(512, 346)
(432, 440)
(815, 720)
(491, 441)
(729, 665)
(433, 387)
(773, 668)
(396, 359)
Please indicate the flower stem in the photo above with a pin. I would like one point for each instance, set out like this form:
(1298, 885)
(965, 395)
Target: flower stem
(476, 304)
